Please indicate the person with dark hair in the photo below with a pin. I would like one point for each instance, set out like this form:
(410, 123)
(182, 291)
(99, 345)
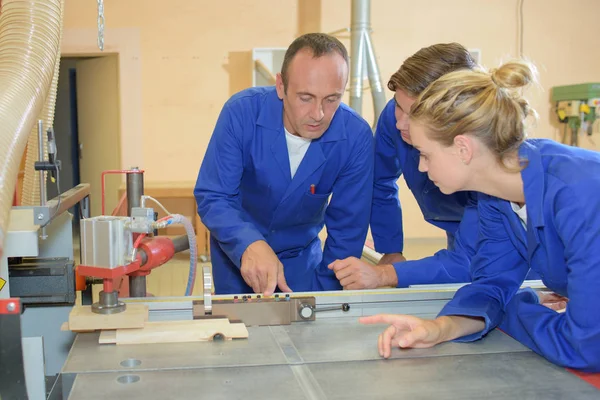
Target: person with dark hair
(395, 155)
(538, 210)
(282, 163)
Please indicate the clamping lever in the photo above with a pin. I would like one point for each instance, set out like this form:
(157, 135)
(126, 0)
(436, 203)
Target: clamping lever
(307, 311)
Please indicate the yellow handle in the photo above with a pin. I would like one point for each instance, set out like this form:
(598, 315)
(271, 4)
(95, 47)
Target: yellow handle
(584, 108)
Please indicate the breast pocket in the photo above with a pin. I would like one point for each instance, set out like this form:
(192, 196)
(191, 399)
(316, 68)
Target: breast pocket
(313, 206)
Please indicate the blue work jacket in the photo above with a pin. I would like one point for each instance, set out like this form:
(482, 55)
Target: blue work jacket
(561, 243)
(456, 213)
(245, 192)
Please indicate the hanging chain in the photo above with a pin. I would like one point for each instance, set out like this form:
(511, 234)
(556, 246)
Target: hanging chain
(101, 24)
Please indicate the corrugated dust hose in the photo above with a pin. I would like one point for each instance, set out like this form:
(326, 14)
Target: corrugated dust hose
(30, 35)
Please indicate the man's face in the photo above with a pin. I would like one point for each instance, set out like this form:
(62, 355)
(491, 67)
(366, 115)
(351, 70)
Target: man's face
(314, 92)
(403, 104)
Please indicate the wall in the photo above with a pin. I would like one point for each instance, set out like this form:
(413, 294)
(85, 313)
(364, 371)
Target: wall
(184, 67)
(554, 43)
(183, 49)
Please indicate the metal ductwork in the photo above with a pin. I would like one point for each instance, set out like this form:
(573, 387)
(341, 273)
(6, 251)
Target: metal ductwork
(363, 59)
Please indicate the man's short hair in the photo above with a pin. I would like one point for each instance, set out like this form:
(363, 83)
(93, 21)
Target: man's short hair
(320, 44)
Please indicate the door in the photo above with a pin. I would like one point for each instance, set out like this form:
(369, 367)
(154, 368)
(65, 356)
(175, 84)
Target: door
(99, 127)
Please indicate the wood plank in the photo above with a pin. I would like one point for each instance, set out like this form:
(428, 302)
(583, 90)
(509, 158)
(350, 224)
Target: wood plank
(309, 16)
(65, 327)
(239, 68)
(108, 337)
(82, 318)
(178, 332)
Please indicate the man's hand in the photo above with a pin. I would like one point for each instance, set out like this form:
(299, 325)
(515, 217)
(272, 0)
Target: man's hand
(391, 258)
(552, 300)
(262, 270)
(355, 274)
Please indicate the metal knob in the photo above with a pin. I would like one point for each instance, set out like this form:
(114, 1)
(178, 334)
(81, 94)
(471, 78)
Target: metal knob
(306, 311)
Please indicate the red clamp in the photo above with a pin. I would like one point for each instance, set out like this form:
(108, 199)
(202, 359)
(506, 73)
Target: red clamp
(158, 250)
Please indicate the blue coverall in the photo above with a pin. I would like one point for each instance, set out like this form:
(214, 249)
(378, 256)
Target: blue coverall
(561, 243)
(456, 214)
(245, 192)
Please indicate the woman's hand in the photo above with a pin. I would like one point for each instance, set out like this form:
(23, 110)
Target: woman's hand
(404, 331)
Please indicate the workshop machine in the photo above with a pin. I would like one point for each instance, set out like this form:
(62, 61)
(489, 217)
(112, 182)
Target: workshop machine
(39, 279)
(300, 346)
(37, 267)
(577, 108)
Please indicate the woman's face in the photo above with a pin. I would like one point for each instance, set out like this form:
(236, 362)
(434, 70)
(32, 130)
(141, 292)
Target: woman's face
(443, 165)
(403, 104)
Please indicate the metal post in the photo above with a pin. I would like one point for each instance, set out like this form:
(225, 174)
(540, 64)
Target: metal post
(359, 25)
(374, 79)
(43, 194)
(85, 207)
(135, 190)
(363, 60)
(137, 286)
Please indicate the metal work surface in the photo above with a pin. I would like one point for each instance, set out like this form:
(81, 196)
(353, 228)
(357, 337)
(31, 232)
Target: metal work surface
(333, 357)
(502, 376)
(330, 340)
(520, 375)
(212, 383)
(327, 359)
(346, 340)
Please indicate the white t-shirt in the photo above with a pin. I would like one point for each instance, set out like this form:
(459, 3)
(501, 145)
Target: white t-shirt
(297, 147)
(521, 212)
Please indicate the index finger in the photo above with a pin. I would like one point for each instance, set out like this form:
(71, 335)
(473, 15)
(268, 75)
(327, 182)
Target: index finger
(271, 283)
(339, 265)
(381, 319)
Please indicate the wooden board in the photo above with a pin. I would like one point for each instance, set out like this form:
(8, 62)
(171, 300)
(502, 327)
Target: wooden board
(65, 327)
(176, 332)
(108, 337)
(82, 318)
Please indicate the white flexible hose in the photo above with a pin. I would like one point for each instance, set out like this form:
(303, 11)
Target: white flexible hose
(189, 230)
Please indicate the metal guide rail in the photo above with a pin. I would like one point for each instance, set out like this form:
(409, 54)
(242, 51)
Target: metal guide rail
(331, 357)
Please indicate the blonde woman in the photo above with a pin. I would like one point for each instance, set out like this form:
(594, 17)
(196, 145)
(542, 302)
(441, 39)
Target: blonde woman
(538, 208)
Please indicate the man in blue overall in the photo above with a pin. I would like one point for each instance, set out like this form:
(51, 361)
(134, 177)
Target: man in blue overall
(395, 155)
(283, 162)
